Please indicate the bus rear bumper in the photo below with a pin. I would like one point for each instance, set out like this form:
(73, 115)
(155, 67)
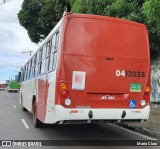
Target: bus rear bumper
(64, 115)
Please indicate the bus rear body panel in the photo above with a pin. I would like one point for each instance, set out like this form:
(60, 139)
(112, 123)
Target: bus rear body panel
(106, 66)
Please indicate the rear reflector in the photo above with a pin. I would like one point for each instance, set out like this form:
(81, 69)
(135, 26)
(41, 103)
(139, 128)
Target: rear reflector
(74, 111)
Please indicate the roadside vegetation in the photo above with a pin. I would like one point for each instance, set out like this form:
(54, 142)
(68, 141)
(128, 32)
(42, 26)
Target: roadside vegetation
(38, 17)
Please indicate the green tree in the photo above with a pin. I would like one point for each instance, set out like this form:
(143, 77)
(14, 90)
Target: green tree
(143, 11)
(29, 19)
(38, 17)
(90, 6)
(151, 10)
(128, 9)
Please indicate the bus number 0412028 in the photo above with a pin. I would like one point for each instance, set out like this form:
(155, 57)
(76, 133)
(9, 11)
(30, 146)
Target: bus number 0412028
(128, 73)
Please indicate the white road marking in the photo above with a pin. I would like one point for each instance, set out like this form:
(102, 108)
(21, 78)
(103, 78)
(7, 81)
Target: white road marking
(25, 124)
(9, 97)
(10, 100)
(14, 106)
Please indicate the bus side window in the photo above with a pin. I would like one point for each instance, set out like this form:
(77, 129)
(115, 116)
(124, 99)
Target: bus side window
(48, 55)
(43, 66)
(36, 70)
(26, 73)
(31, 71)
(47, 62)
(55, 51)
(51, 59)
(34, 65)
(40, 61)
(23, 73)
(44, 51)
(25, 76)
(53, 43)
(40, 54)
(48, 50)
(39, 67)
(55, 60)
(57, 41)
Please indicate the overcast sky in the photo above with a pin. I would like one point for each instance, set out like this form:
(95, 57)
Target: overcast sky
(13, 40)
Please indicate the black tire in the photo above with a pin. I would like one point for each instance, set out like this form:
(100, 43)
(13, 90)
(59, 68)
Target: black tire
(37, 123)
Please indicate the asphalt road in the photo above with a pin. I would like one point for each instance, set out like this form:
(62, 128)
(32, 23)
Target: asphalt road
(16, 124)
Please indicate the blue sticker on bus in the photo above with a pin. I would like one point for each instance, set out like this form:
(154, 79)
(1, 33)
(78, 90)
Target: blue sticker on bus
(132, 103)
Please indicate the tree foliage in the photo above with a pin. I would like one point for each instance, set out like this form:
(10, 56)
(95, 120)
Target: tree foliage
(29, 18)
(40, 16)
(151, 10)
(128, 9)
(143, 11)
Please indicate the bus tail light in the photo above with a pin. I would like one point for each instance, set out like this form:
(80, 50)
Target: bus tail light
(147, 89)
(65, 93)
(63, 86)
(145, 96)
(145, 99)
(67, 102)
(143, 102)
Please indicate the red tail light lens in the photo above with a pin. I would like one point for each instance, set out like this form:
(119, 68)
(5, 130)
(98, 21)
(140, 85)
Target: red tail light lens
(146, 96)
(65, 93)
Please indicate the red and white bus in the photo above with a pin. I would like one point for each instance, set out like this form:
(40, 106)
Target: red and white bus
(90, 68)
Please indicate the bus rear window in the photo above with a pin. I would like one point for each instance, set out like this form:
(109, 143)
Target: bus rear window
(93, 37)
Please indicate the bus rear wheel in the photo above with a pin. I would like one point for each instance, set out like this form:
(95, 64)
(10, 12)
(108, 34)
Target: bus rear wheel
(36, 122)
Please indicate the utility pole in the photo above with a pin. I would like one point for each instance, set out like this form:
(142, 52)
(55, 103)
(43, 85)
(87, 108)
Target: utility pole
(30, 52)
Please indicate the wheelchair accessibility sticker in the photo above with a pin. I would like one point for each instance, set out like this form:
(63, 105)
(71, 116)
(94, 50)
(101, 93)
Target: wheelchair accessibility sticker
(132, 103)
